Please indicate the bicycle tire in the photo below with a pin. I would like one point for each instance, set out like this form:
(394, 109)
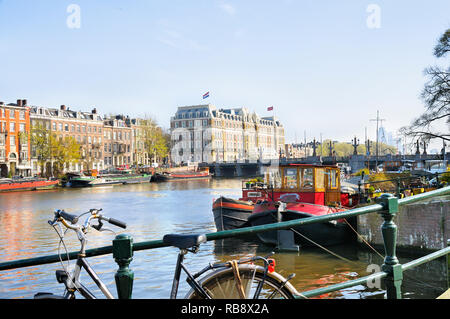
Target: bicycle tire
(47, 295)
(220, 284)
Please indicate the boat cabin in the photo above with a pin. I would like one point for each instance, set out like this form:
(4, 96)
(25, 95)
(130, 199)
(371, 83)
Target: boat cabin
(315, 184)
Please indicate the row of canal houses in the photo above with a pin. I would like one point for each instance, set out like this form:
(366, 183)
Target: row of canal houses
(106, 141)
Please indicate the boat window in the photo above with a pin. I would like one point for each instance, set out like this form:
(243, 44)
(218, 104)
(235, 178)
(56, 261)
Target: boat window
(290, 178)
(307, 180)
(320, 178)
(333, 179)
(275, 179)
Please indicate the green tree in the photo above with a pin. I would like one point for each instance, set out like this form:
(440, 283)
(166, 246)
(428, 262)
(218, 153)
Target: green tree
(346, 149)
(41, 145)
(64, 151)
(156, 142)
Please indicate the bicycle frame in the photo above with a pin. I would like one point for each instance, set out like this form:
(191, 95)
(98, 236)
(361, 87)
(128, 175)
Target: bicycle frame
(73, 284)
(191, 279)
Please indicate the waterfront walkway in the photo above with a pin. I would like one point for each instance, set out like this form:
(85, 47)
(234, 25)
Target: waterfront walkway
(445, 295)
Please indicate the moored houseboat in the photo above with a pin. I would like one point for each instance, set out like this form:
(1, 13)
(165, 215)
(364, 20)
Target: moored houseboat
(231, 213)
(183, 175)
(107, 178)
(304, 190)
(23, 184)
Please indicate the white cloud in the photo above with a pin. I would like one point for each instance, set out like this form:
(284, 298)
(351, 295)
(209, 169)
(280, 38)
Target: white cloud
(228, 8)
(175, 39)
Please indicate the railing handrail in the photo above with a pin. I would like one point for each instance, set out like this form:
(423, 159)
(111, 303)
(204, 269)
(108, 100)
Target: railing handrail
(227, 233)
(378, 275)
(388, 205)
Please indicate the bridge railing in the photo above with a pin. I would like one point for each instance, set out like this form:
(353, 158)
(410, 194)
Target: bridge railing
(387, 206)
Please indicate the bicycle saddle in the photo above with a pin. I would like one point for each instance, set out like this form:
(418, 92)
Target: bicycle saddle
(184, 241)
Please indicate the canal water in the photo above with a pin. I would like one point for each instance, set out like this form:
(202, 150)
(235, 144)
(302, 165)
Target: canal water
(154, 209)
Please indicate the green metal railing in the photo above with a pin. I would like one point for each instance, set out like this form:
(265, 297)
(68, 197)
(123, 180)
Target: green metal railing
(387, 206)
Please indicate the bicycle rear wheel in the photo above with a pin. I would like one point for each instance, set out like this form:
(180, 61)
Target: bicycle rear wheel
(221, 284)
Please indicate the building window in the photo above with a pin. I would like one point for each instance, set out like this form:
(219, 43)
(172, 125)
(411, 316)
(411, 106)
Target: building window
(12, 114)
(22, 115)
(66, 127)
(60, 127)
(12, 127)
(22, 127)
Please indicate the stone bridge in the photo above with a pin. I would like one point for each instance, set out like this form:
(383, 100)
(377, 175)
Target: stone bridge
(356, 162)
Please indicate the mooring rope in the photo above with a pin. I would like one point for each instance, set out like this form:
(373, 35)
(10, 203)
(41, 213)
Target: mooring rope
(320, 246)
(363, 239)
(379, 254)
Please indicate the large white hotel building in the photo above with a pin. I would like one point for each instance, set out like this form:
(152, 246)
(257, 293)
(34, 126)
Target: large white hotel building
(203, 133)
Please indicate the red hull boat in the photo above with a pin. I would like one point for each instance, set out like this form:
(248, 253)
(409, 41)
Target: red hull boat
(8, 185)
(183, 175)
(304, 191)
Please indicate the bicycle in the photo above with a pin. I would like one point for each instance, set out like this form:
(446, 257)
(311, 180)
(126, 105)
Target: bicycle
(230, 280)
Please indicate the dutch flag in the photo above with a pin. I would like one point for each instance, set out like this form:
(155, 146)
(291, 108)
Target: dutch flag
(206, 95)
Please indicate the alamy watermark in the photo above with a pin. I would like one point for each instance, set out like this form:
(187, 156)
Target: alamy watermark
(73, 21)
(373, 282)
(373, 20)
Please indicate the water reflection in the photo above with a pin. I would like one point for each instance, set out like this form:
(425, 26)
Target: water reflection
(154, 209)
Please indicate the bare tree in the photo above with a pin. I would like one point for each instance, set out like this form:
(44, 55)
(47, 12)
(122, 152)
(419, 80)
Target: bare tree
(436, 96)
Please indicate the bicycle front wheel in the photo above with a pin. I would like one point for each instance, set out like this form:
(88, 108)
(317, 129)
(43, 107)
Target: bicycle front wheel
(221, 284)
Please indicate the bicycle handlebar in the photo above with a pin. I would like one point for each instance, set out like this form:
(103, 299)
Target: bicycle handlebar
(115, 222)
(73, 219)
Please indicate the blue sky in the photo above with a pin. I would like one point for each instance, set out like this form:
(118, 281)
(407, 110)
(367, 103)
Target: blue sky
(317, 62)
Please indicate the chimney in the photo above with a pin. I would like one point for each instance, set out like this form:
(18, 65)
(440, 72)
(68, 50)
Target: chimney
(19, 102)
(24, 102)
(94, 111)
(63, 107)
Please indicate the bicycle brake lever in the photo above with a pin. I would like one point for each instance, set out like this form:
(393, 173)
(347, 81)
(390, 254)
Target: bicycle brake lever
(52, 222)
(107, 229)
(98, 226)
(270, 255)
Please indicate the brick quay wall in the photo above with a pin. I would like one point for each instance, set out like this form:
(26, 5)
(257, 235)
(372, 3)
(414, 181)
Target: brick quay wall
(423, 226)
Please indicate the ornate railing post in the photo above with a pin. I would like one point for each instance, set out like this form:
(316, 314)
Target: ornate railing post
(399, 193)
(123, 255)
(389, 230)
